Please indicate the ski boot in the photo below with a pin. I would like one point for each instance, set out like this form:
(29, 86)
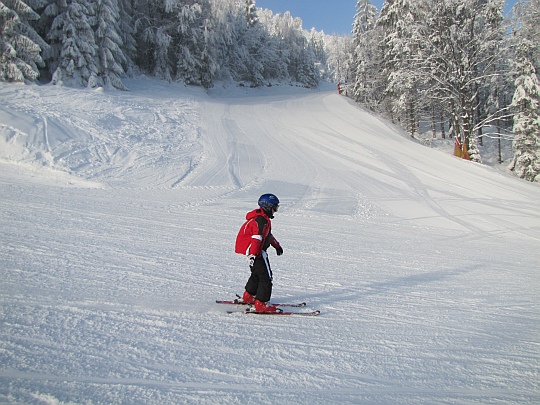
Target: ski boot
(247, 298)
(264, 307)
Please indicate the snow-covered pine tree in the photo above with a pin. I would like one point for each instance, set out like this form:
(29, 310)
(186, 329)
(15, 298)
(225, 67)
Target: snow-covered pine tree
(156, 28)
(207, 49)
(307, 72)
(528, 17)
(276, 52)
(287, 29)
(400, 46)
(144, 18)
(259, 49)
(267, 52)
(247, 53)
(487, 111)
(20, 45)
(526, 101)
(366, 55)
(499, 96)
(316, 43)
(340, 62)
(224, 37)
(299, 59)
(251, 13)
(193, 45)
(159, 33)
(73, 36)
(110, 56)
(127, 30)
(51, 55)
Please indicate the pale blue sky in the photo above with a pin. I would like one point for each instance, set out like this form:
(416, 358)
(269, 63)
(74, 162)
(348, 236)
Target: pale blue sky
(330, 16)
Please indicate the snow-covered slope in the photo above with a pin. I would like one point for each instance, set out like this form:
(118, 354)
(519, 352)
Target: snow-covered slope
(119, 213)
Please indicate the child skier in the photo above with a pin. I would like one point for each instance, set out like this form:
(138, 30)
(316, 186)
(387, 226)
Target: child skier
(254, 237)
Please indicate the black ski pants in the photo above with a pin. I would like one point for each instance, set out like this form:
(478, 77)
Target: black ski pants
(259, 283)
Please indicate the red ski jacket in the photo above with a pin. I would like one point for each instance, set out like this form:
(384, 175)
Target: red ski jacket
(256, 234)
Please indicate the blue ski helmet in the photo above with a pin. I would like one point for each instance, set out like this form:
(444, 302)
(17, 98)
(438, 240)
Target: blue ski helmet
(268, 202)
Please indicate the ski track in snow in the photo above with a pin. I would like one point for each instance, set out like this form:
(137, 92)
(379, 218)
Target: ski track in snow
(118, 217)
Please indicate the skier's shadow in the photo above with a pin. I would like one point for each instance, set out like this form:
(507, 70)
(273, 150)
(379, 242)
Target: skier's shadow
(401, 284)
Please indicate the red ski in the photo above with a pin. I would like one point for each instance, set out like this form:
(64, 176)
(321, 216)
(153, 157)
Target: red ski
(238, 301)
(285, 313)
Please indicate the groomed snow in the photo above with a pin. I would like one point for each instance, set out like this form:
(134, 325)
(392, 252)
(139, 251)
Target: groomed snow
(119, 212)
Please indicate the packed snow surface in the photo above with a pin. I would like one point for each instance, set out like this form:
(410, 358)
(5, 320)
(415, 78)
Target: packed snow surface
(119, 212)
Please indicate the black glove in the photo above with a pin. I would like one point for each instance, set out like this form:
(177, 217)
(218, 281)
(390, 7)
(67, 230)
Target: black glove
(279, 250)
(251, 259)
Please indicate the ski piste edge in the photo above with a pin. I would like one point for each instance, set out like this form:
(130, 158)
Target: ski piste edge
(282, 313)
